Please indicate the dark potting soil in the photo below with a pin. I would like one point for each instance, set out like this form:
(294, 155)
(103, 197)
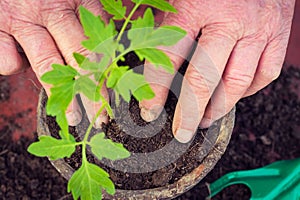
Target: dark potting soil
(24, 176)
(145, 169)
(121, 175)
(4, 90)
(267, 130)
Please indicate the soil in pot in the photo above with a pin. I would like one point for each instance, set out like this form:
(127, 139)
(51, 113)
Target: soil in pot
(18, 169)
(158, 158)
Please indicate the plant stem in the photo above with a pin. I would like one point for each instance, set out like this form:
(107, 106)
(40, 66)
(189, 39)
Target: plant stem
(127, 20)
(105, 104)
(88, 131)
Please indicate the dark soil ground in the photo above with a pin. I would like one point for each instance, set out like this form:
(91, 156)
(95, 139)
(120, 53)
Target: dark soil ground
(267, 129)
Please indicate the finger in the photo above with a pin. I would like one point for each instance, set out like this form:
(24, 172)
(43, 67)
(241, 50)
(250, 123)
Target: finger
(151, 109)
(270, 64)
(42, 53)
(160, 80)
(201, 79)
(10, 60)
(91, 109)
(236, 79)
(68, 35)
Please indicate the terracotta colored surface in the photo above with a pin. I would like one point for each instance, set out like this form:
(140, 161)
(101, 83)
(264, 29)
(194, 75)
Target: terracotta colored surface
(19, 112)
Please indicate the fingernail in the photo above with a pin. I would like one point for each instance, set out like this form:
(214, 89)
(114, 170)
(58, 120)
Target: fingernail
(205, 123)
(101, 119)
(152, 114)
(74, 118)
(184, 136)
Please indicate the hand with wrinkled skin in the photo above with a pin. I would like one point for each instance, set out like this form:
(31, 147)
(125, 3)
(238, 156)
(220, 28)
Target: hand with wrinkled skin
(49, 32)
(240, 51)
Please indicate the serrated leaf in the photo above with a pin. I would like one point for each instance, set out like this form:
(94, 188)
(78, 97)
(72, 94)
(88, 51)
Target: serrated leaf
(115, 8)
(115, 75)
(156, 57)
(86, 64)
(58, 102)
(141, 28)
(146, 21)
(88, 181)
(54, 148)
(99, 35)
(60, 98)
(129, 82)
(79, 58)
(143, 92)
(62, 121)
(59, 74)
(163, 36)
(159, 4)
(168, 35)
(139, 87)
(143, 34)
(106, 148)
(88, 87)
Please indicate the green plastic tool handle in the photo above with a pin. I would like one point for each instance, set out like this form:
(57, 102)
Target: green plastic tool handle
(239, 178)
(279, 180)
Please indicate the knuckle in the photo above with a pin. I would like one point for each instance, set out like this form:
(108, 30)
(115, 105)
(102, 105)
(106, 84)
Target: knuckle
(232, 32)
(186, 17)
(57, 11)
(237, 80)
(200, 86)
(42, 64)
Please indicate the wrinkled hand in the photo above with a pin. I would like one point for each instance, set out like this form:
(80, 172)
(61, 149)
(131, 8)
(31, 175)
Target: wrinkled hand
(240, 51)
(49, 32)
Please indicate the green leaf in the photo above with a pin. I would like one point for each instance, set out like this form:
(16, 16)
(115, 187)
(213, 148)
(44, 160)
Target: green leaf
(100, 36)
(156, 57)
(63, 79)
(54, 148)
(88, 87)
(168, 35)
(79, 58)
(115, 75)
(62, 121)
(141, 28)
(60, 98)
(159, 4)
(88, 181)
(106, 148)
(139, 87)
(86, 64)
(59, 74)
(126, 82)
(114, 7)
(146, 21)
(58, 102)
(143, 34)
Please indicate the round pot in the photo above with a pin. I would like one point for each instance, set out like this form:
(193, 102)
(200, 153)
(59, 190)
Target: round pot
(222, 131)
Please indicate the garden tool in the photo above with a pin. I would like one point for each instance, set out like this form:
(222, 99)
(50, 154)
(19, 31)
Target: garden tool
(279, 180)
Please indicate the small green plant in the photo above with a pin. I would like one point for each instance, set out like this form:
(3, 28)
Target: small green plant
(103, 39)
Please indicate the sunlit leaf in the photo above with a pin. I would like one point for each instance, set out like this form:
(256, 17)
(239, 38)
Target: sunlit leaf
(159, 4)
(88, 181)
(54, 148)
(115, 8)
(106, 148)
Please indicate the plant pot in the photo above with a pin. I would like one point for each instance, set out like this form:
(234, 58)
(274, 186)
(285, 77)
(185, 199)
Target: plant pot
(215, 144)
